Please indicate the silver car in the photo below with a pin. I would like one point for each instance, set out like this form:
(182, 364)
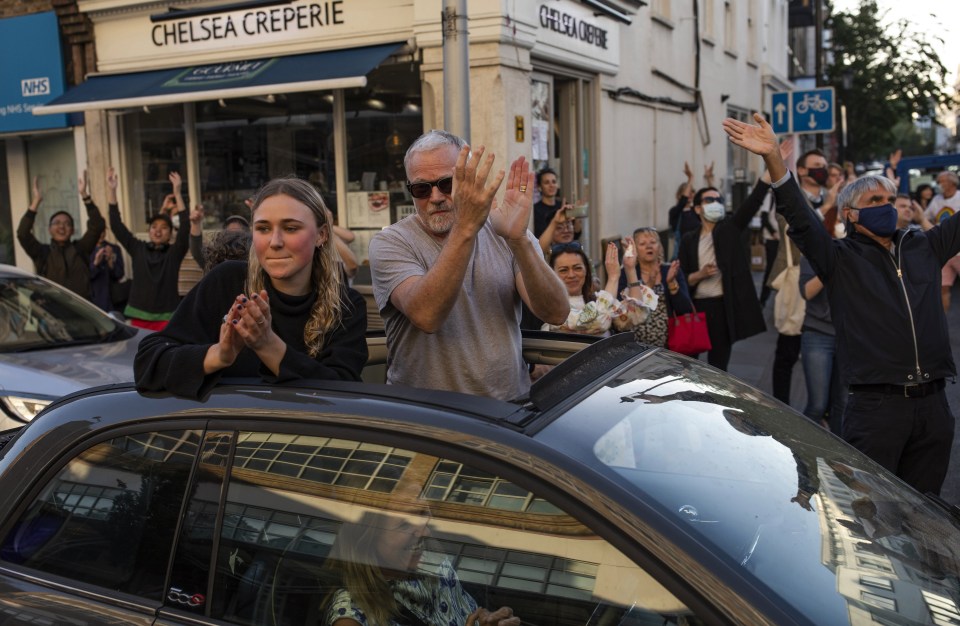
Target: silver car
(53, 342)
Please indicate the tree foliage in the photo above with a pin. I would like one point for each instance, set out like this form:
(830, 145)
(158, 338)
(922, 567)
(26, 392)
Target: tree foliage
(894, 75)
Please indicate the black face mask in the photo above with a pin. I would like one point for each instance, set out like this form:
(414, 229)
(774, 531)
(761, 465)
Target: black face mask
(819, 174)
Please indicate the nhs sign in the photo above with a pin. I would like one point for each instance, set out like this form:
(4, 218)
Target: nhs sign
(32, 79)
(35, 87)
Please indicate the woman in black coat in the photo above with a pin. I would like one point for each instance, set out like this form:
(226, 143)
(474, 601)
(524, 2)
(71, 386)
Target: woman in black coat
(716, 262)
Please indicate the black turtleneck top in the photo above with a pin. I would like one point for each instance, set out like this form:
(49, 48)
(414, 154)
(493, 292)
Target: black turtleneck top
(172, 359)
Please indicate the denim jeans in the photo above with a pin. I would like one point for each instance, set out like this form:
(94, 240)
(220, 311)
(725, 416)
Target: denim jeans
(818, 350)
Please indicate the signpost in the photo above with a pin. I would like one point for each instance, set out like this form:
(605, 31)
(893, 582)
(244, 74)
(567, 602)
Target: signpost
(805, 111)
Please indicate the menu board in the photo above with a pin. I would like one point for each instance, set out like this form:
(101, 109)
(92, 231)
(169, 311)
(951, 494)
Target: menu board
(368, 209)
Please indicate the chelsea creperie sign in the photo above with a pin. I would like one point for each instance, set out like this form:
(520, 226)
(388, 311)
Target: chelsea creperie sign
(147, 38)
(570, 33)
(311, 17)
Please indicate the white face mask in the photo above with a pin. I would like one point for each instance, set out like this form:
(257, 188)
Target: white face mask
(714, 211)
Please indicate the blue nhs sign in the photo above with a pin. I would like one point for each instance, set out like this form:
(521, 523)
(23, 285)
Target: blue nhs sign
(34, 78)
(804, 111)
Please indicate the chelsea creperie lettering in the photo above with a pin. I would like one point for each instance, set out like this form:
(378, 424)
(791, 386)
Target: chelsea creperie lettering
(249, 24)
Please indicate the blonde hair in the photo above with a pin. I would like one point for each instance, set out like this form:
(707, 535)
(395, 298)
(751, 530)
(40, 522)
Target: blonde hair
(325, 276)
(354, 558)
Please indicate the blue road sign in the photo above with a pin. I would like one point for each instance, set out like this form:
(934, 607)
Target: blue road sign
(812, 110)
(780, 105)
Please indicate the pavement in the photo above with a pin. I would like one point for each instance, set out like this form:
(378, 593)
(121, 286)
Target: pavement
(752, 362)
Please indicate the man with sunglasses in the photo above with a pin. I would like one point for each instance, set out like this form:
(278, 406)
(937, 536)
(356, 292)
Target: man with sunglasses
(449, 280)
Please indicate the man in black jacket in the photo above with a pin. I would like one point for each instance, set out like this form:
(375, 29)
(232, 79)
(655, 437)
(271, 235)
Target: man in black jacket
(64, 260)
(884, 291)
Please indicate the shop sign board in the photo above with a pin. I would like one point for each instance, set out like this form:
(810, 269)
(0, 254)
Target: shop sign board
(31, 73)
(572, 33)
(149, 40)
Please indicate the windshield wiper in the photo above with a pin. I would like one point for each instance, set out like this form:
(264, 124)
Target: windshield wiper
(49, 345)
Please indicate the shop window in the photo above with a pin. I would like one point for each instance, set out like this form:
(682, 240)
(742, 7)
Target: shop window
(292, 551)
(729, 26)
(245, 142)
(707, 18)
(109, 516)
(155, 147)
(382, 120)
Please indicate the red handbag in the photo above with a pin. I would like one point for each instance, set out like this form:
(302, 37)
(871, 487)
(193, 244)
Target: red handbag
(687, 333)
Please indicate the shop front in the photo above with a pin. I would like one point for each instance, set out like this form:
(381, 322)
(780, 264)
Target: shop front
(231, 97)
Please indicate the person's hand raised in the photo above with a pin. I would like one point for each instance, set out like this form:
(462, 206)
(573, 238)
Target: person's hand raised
(176, 181)
(629, 252)
(472, 196)
(672, 271)
(511, 217)
(611, 262)
(688, 172)
(757, 138)
(196, 215)
(113, 180)
(82, 184)
(36, 193)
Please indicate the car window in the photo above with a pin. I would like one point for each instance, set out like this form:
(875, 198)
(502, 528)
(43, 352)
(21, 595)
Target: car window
(321, 530)
(37, 314)
(108, 517)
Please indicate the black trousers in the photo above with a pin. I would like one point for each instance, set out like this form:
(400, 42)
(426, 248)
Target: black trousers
(788, 351)
(911, 437)
(719, 354)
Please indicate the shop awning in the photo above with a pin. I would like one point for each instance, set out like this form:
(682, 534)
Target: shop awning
(335, 69)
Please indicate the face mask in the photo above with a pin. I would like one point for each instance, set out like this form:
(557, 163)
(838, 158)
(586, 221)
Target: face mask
(879, 220)
(714, 211)
(819, 174)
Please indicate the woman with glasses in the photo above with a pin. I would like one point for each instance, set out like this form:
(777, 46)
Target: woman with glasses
(717, 266)
(666, 280)
(592, 311)
(284, 314)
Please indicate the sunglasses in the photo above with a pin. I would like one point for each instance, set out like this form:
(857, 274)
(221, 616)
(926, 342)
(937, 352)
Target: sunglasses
(423, 190)
(560, 248)
(711, 199)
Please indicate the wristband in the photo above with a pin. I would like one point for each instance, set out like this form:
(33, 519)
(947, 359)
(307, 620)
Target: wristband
(635, 283)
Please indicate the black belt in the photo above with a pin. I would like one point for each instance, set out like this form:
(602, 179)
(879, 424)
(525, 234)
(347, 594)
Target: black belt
(907, 391)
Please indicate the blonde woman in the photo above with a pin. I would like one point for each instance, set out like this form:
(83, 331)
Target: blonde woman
(377, 560)
(282, 315)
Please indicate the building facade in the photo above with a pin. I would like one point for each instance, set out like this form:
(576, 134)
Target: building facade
(613, 94)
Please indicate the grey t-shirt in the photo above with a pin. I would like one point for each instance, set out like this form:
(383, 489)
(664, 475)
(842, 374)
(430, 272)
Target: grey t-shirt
(478, 348)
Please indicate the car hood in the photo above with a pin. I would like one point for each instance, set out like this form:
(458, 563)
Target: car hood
(56, 372)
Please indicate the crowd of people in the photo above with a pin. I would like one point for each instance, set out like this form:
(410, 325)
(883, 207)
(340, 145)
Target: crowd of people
(848, 259)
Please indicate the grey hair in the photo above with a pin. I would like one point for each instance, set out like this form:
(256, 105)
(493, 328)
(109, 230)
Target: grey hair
(952, 176)
(430, 141)
(852, 191)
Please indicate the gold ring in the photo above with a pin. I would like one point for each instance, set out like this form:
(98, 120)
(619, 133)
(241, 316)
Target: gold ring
(523, 189)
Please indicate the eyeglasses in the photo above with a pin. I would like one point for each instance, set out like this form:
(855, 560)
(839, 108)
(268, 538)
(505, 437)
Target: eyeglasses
(711, 199)
(560, 248)
(424, 189)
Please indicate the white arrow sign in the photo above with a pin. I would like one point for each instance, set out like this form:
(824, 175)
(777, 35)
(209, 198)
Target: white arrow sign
(781, 108)
(813, 121)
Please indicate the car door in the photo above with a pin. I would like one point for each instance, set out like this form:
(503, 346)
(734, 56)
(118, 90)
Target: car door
(311, 523)
(91, 544)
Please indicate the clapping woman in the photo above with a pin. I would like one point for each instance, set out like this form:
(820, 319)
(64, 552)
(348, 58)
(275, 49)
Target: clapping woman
(284, 314)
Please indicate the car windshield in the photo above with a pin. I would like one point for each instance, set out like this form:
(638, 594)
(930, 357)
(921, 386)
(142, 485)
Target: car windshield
(35, 314)
(828, 530)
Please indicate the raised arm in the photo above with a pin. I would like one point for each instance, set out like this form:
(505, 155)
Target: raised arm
(546, 237)
(196, 236)
(805, 227)
(426, 300)
(538, 285)
(25, 236)
(120, 230)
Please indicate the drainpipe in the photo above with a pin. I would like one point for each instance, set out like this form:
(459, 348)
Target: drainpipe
(456, 68)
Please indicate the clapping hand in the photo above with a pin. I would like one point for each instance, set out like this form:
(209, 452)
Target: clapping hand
(472, 197)
(501, 617)
(511, 217)
(672, 272)
(37, 194)
(629, 252)
(82, 184)
(611, 260)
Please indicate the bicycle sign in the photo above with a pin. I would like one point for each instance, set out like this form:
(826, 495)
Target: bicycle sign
(807, 111)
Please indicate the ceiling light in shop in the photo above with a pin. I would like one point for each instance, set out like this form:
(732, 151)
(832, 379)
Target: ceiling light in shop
(374, 103)
(328, 98)
(411, 107)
